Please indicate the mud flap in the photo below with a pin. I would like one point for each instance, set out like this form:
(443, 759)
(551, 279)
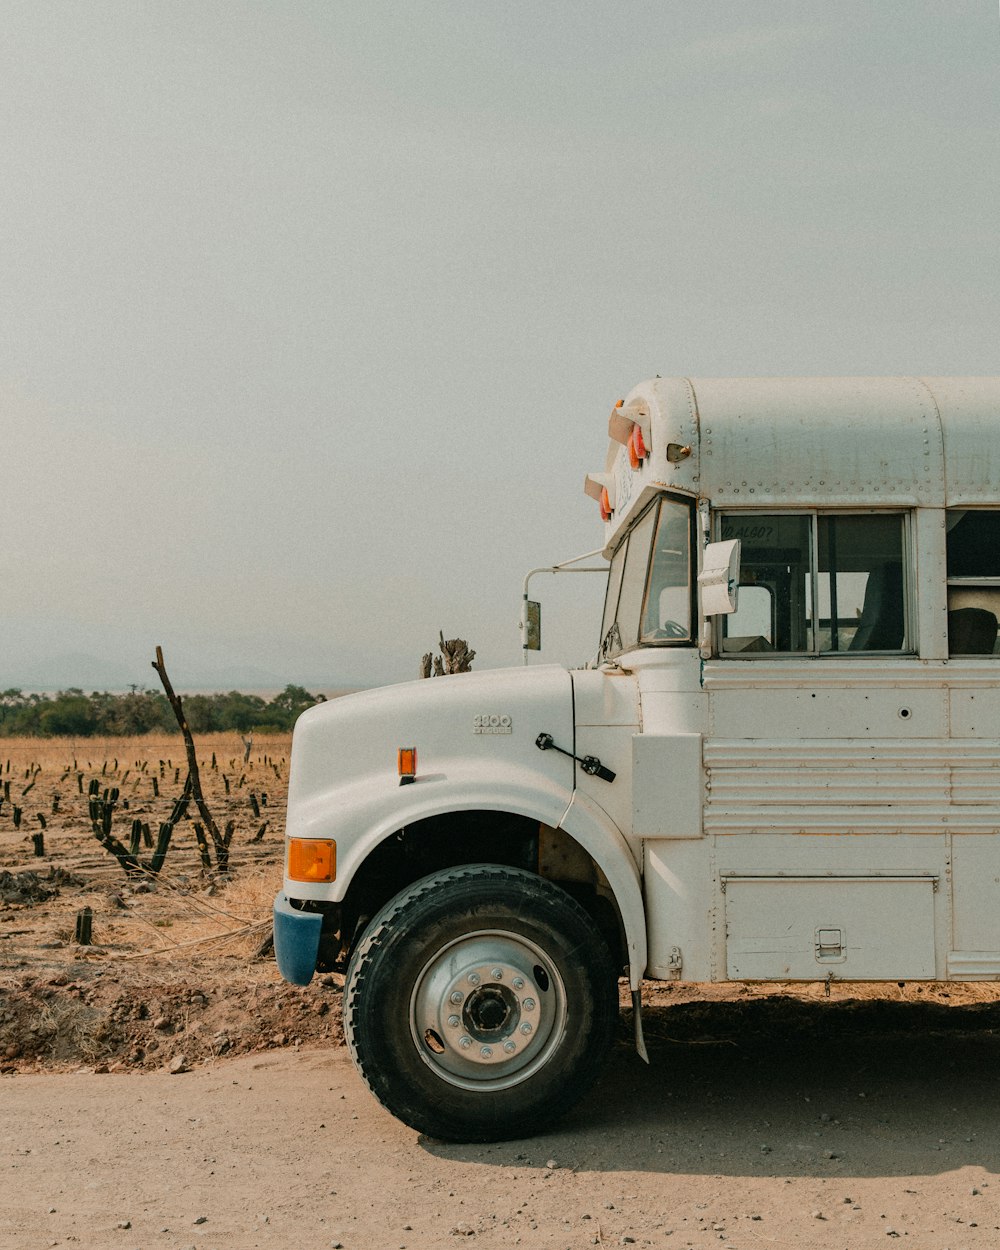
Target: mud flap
(640, 1041)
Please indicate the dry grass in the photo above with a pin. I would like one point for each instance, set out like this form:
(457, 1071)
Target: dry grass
(49, 780)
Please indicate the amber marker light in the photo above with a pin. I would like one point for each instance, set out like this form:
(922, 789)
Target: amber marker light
(312, 859)
(406, 758)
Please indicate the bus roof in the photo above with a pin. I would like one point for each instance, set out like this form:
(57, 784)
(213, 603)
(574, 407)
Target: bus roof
(853, 442)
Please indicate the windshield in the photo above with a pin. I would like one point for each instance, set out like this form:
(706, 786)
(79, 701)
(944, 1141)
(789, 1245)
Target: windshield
(649, 584)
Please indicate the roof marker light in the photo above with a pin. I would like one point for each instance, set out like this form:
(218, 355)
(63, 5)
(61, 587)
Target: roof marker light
(637, 450)
(601, 486)
(624, 423)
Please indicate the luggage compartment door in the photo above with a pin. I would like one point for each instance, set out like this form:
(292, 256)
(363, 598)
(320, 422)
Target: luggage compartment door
(809, 928)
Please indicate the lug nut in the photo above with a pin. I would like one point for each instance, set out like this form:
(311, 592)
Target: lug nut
(528, 1004)
(518, 983)
(486, 1052)
(457, 996)
(465, 1042)
(509, 1047)
(526, 1028)
(454, 1021)
(473, 978)
(497, 974)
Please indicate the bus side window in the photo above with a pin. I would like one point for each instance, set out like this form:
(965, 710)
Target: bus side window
(818, 583)
(973, 546)
(775, 583)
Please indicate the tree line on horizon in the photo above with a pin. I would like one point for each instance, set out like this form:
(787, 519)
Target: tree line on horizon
(73, 714)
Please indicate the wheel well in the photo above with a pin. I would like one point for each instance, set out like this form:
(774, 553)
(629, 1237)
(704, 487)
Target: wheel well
(470, 837)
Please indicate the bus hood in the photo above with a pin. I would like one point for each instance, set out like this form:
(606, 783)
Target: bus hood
(474, 735)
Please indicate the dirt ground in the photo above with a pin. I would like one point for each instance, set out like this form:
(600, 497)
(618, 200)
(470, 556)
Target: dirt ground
(163, 1087)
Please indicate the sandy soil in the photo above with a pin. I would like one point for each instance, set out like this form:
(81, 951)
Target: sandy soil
(871, 1130)
(163, 1086)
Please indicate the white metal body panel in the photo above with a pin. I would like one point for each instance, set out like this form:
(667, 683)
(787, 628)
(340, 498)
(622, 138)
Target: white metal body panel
(842, 442)
(808, 928)
(606, 708)
(976, 892)
(667, 794)
(681, 909)
(343, 780)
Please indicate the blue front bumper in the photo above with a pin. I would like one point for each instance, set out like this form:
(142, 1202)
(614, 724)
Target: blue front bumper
(296, 941)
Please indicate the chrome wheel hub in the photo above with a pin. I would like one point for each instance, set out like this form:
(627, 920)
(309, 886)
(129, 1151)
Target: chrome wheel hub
(487, 1010)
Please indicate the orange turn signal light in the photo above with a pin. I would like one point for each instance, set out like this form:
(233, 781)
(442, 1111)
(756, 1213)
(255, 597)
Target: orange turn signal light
(605, 504)
(312, 859)
(637, 451)
(407, 763)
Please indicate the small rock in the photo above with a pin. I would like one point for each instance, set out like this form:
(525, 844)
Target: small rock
(627, 1241)
(163, 1023)
(179, 1064)
(124, 1224)
(975, 1191)
(818, 1215)
(755, 1217)
(463, 1230)
(551, 1164)
(202, 1219)
(101, 1069)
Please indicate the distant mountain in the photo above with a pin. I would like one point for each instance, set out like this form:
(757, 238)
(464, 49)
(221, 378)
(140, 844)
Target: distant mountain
(90, 672)
(74, 669)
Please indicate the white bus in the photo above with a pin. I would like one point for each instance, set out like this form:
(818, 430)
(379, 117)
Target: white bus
(782, 764)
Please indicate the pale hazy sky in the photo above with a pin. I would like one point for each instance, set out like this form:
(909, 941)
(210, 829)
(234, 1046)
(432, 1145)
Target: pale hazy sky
(313, 312)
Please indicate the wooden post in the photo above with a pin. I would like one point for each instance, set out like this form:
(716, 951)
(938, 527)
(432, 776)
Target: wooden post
(38, 841)
(194, 777)
(84, 926)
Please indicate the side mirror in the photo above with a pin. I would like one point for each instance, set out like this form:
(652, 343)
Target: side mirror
(531, 625)
(719, 579)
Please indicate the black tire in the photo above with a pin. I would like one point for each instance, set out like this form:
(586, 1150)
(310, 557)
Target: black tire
(479, 1003)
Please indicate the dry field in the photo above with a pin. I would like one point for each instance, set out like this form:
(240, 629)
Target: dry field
(172, 971)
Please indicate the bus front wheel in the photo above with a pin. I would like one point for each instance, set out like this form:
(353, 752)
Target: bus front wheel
(479, 1003)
